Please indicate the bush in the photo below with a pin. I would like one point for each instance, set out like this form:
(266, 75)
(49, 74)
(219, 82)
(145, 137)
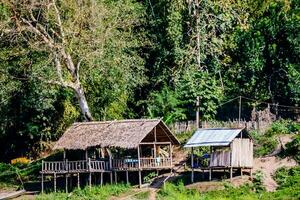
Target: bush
(264, 144)
(293, 148)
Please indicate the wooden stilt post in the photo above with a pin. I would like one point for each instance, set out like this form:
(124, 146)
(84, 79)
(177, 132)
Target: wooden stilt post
(90, 173)
(127, 177)
(116, 178)
(54, 182)
(251, 175)
(111, 177)
(139, 161)
(101, 178)
(78, 180)
(210, 169)
(140, 178)
(192, 165)
(231, 173)
(241, 172)
(42, 183)
(66, 183)
(154, 146)
(90, 180)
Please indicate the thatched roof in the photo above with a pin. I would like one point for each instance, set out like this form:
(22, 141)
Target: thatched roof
(123, 133)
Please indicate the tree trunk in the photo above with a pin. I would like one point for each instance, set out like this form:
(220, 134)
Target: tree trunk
(83, 104)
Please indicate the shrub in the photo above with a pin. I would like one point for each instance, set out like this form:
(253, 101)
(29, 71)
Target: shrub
(293, 148)
(20, 160)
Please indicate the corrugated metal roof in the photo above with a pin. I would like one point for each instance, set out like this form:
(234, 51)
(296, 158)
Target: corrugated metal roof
(213, 137)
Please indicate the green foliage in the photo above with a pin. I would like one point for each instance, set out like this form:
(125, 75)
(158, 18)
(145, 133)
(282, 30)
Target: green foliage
(267, 142)
(264, 143)
(166, 104)
(284, 127)
(293, 148)
(288, 180)
(149, 177)
(95, 192)
(148, 59)
(258, 182)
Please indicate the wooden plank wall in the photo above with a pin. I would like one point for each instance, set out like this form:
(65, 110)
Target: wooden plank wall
(220, 159)
(242, 152)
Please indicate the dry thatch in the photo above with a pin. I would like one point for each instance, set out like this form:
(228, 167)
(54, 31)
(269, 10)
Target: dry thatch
(123, 133)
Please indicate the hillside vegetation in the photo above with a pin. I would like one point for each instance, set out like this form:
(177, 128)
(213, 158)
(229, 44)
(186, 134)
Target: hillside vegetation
(75, 60)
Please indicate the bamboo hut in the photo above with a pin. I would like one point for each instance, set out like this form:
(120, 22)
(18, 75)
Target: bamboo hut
(111, 147)
(230, 149)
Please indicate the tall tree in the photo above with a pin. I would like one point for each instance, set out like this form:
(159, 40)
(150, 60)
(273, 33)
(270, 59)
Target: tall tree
(64, 30)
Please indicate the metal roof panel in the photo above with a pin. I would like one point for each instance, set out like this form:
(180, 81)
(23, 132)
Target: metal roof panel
(212, 137)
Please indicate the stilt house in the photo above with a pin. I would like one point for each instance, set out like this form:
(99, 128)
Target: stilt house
(230, 149)
(111, 147)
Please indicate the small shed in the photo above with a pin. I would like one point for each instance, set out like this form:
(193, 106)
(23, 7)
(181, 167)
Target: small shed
(229, 149)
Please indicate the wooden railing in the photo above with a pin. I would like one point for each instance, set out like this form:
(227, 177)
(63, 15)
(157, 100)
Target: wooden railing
(100, 166)
(77, 166)
(155, 162)
(122, 164)
(149, 163)
(53, 166)
(96, 166)
(74, 166)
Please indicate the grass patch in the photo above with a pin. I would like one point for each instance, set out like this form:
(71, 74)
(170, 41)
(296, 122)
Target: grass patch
(288, 180)
(97, 193)
(142, 195)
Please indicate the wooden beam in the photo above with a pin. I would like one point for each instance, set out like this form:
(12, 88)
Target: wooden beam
(151, 143)
(65, 156)
(101, 178)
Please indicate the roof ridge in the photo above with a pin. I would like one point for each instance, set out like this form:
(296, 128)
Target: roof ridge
(115, 121)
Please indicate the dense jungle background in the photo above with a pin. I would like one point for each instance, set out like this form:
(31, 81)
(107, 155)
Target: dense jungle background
(67, 61)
